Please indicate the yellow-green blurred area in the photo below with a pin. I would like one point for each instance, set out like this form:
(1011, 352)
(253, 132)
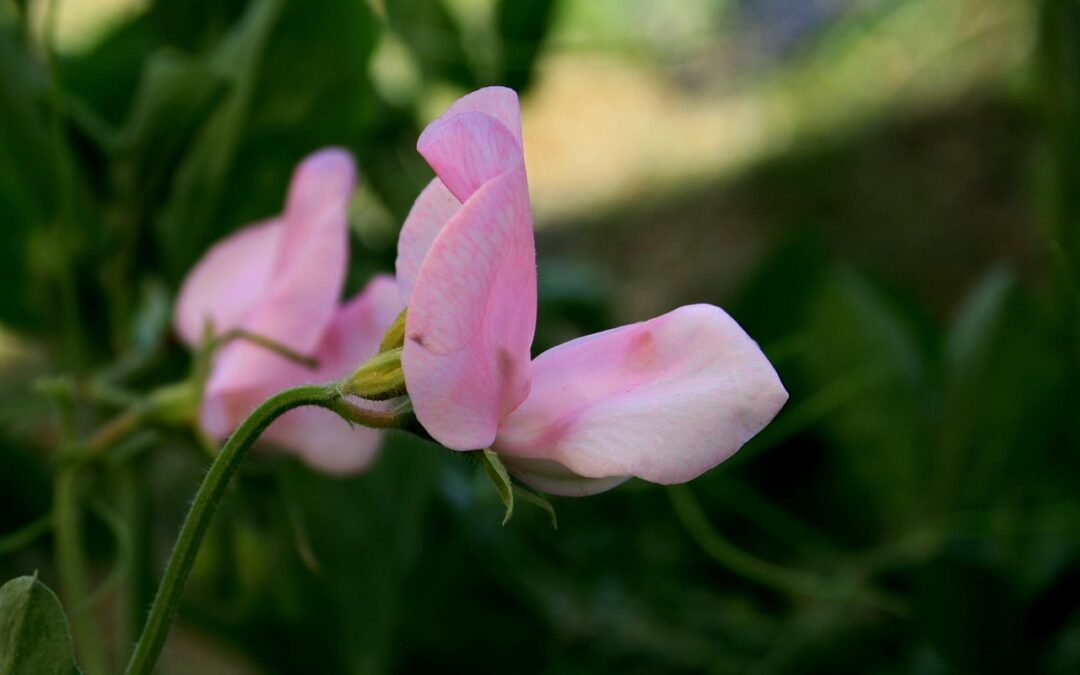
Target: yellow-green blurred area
(884, 193)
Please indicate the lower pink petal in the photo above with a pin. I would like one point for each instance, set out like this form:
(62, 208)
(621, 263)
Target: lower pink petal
(664, 400)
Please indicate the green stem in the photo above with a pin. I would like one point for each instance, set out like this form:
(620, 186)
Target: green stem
(266, 343)
(67, 521)
(13, 541)
(167, 601)
(764, 572)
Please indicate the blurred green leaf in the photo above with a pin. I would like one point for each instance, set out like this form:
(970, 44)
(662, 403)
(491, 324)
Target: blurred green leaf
(187, 220)
(1002, 390)
(34, 634)
(285, 100)
(27, 178)
(434, 38)
(522, 26)
(883, 437)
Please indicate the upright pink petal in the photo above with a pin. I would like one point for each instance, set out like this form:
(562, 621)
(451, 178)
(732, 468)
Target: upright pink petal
(469, 149)
(228, 282)
(476, 139)
(432, 210)
(664, 400)
(472, 315)
(498, 102)
(305, 283)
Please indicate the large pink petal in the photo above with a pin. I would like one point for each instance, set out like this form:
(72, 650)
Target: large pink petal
(432, 210)
(227, 282)
(306, 280)
(468, 150)
(664, 400)
(472, 315)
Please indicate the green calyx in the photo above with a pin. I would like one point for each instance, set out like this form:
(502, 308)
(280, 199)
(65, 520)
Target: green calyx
(380, 379)
(395, 334)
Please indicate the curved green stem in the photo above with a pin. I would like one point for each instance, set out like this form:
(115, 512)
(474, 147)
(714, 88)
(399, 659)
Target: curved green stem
(781, 578)
(167, 601)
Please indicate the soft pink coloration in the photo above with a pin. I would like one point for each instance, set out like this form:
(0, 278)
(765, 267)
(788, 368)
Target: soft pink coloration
(664, 400)
(319, 436)
(467, 269)
(282, 280)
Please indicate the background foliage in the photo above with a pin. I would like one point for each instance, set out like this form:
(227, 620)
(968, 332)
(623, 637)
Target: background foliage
(884, 193)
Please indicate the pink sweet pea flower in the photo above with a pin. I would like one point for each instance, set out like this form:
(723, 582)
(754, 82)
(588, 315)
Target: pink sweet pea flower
(281, 279)
(664, 400)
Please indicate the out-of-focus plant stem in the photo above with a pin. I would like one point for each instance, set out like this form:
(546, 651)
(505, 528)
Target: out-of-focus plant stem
(775, 576)
(63, 266)
(67, 525)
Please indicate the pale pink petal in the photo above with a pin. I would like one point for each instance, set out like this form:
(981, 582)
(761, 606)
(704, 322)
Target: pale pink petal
(468, 149)
(321, 438)
(498, 102)
(664, 400)
(432, 210)
(472, 315)
(555, 479)
(227, 282)
(306, 280)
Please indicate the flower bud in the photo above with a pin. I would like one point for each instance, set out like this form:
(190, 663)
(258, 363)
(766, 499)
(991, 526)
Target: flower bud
(379, 379)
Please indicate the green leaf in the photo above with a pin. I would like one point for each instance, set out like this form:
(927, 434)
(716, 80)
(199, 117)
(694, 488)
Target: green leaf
(858, 338)
(34, 634)
(495, 470)
(522, 25)
(1004, 393)
(285, 100)
(537, 499)
(186, 222)
(434, 38)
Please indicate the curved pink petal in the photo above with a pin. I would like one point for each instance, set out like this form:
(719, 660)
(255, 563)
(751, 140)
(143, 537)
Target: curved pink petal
(498, 102)
(227, 282)
(321, 438)
(432, 210)
(305, 282)
(468, 147)
(664, 400)
(472, 315)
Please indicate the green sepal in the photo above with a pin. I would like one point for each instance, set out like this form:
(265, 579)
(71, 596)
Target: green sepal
(537, 499)
(34, 635)
(394, 338)
(501, 479)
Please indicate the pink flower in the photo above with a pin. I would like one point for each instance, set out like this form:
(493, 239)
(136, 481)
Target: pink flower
(281, 279)
(663, 400)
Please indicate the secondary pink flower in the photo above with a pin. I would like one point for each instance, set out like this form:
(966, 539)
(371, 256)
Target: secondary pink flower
(281, 279)
(664, 400)
(467, 270)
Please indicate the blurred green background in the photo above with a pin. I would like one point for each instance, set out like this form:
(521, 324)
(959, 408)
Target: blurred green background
(885, 193)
